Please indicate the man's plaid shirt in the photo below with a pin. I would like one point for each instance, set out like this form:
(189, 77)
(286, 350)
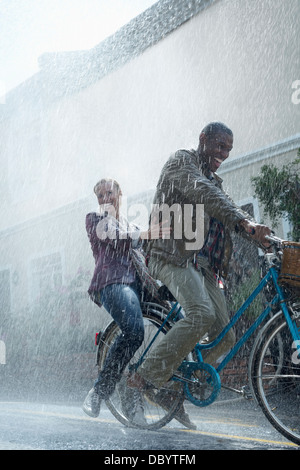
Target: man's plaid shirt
(213, 247)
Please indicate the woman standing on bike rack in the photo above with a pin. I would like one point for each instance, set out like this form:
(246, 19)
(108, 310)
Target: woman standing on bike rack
(114, 285)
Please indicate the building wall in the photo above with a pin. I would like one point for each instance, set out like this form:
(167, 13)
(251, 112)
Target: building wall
(231, 63)
(235, 62)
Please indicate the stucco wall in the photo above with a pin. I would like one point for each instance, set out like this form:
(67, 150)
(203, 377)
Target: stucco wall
(235, 62)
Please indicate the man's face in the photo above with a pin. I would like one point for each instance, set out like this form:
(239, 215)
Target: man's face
(215, 149)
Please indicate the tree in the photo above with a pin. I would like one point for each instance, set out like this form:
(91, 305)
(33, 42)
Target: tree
(278, 190)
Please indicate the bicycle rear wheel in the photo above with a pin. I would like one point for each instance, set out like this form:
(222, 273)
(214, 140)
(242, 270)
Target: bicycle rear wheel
(152, 409)
(275, 376)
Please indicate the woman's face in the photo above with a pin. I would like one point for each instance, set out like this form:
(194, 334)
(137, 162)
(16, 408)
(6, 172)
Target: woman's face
(108, 195)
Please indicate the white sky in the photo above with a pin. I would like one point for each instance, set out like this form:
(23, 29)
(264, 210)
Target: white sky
(28, 28)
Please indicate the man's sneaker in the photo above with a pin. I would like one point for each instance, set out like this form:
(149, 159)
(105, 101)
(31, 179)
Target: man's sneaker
(92, 403)
(183, 418)
(164, 399)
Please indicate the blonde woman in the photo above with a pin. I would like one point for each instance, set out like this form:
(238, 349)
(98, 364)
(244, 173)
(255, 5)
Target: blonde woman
(115, 286)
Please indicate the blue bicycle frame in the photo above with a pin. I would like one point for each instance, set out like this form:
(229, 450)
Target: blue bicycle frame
(278, 298)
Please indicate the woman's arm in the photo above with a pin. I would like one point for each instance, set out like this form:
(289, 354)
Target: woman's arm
(109, 229)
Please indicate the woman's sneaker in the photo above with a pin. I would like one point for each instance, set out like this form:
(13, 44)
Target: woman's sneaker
(92, 403)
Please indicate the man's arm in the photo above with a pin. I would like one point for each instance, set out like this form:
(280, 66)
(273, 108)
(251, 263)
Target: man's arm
(196, 187)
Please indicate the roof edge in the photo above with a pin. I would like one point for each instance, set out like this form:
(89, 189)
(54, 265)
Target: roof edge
(65, 73)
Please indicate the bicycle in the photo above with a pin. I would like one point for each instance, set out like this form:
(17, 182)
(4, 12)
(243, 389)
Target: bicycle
(274, 362)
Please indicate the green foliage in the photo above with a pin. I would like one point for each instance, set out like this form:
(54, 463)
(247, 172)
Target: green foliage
(278, 190)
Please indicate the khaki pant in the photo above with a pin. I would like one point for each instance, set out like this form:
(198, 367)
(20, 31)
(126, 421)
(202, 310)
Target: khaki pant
(205, 312)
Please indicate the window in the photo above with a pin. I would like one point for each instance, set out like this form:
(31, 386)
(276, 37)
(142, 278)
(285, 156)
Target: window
(5, 295)
(46, 274)
(287, 227)
(248, 208)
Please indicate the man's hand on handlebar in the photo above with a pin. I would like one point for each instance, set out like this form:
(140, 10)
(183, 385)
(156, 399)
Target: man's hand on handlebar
(258, 232)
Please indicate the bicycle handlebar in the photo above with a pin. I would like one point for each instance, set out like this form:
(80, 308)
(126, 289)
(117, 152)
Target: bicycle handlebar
(276, 247)
(275, 240)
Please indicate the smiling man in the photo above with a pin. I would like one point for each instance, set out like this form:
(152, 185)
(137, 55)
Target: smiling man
(189, 178)
(215, 144)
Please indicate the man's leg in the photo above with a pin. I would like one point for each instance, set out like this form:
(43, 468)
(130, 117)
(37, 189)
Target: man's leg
(188, 287)
(222, 318)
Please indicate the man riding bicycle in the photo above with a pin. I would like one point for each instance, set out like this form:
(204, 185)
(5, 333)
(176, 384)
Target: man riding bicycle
(189, 178)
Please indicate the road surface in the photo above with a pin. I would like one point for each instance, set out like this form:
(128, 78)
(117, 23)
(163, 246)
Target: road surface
(227, 425)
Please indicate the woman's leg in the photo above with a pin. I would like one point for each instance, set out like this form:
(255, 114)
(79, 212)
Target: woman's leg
(123, 304)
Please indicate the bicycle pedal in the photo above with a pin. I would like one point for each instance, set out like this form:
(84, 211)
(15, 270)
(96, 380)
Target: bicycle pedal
(246, 392)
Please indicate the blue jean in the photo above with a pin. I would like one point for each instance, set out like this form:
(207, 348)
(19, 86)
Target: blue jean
(123, 304)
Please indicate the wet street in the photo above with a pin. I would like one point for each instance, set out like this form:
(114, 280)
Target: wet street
(229, 425)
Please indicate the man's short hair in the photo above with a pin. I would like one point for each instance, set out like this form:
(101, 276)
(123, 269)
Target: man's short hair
(214, 128)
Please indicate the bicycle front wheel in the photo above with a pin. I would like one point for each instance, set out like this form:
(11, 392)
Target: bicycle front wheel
(275, 375)
(154, 408)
